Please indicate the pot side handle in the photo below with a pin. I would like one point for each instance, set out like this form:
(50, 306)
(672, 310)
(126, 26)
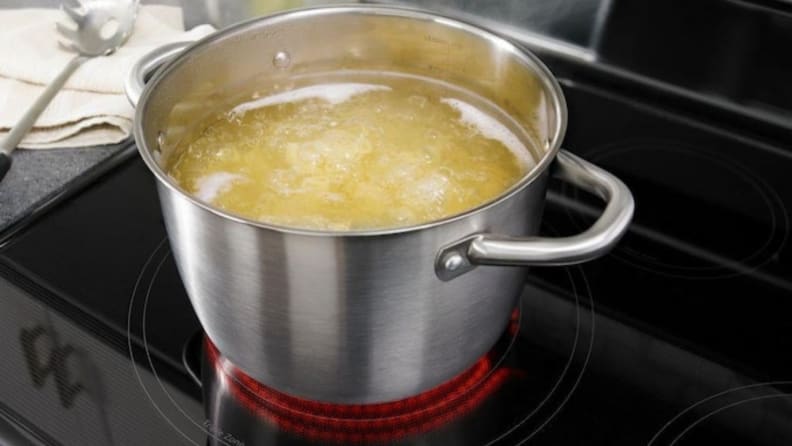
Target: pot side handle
(143, 68)
(491, 249)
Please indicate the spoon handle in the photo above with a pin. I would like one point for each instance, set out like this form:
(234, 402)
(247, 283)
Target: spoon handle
(25, 123)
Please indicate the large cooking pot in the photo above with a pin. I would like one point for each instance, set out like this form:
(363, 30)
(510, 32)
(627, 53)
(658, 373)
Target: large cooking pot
(362, 316)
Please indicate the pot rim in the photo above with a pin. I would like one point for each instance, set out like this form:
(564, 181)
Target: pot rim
(544, 74)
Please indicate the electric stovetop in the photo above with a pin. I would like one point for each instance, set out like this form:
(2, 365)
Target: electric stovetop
(679, 336)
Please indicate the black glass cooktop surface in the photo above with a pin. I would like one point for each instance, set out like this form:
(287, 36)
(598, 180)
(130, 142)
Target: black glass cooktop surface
(679, 336)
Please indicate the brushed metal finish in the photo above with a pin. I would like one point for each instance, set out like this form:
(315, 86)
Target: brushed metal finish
(492, 249)
(356, 316)
(588, 245)
(344, 319)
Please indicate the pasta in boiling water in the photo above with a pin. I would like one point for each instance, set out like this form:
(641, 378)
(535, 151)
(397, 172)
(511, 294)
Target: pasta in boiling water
(352, 156)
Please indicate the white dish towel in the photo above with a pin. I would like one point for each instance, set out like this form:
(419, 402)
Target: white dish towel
(91, 109)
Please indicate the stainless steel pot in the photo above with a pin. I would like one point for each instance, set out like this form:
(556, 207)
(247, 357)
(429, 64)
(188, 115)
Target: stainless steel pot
(363, 316)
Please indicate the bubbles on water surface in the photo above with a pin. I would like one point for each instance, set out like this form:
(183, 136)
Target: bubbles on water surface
(353, 155)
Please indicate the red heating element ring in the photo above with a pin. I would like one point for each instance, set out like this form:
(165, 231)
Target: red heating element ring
(367, 423)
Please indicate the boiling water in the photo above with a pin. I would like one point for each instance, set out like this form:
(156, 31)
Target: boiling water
(390, 152)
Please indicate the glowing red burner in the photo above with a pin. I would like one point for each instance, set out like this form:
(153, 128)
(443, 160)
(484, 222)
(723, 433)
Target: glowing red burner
(369, 423)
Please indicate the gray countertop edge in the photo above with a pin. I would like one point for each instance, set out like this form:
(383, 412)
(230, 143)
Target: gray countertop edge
(40, 179)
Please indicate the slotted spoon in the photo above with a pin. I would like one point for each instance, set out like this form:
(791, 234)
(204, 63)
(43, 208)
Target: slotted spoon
(99, 28)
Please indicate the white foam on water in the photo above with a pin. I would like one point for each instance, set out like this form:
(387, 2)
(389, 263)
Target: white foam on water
(212, 184)
(332, 93)
(491, 128)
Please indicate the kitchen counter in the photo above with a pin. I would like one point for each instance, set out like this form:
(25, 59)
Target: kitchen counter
(39, 177)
